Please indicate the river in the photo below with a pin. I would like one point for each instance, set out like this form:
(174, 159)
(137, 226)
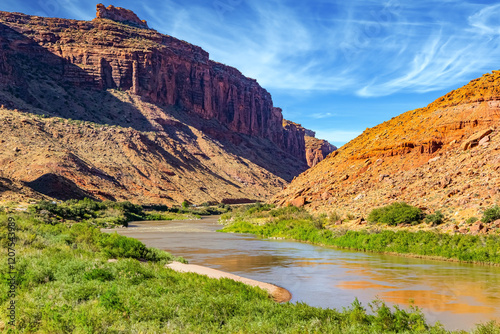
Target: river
(457, 295)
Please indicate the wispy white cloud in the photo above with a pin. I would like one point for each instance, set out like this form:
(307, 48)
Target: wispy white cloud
(367, 47)
(486, 20)
(320, 115)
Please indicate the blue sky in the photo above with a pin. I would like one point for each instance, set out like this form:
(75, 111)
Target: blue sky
(335, 66)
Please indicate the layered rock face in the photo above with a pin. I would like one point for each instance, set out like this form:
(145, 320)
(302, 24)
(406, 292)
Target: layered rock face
(128, 113)
(294, 140)
(443, 157)
(158, 67)
(316, 149)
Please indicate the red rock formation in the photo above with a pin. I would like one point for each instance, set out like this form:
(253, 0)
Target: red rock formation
(442, 157)
(294, 139)
(158, 67)
(120, 15)
(316, 149)
(148, 117)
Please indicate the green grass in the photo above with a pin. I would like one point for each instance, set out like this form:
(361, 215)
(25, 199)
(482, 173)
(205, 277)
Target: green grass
(296, 224)
(65, 284)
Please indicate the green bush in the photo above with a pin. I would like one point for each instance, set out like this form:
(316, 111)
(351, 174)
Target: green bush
(491, 214)
(98, 274)
(103, 214)
(290, 212)
(259, 207)
(118, 246)
(471, 220)
(437, 218)
(395, 214)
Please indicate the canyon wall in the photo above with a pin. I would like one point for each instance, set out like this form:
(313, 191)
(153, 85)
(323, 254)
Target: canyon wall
(158, 67)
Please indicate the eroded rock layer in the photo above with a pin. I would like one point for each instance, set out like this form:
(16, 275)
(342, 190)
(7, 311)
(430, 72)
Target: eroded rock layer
(125, 112)
(104, 54)
(316, 149)
(443, 157)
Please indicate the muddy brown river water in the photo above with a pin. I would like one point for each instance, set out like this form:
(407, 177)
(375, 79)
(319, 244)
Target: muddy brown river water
(457, 295)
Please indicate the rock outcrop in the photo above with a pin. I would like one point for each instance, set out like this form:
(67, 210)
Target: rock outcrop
(294, 139)
(119, 14)
(316, 149)
(441, 157)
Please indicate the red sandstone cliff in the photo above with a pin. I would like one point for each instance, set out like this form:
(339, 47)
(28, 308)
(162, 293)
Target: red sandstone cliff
(316, 149)
(158, 67)
(294, 140)
(118, 111)
(120, 15)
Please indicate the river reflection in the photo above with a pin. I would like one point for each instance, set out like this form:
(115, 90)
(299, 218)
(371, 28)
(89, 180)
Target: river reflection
(457, 295)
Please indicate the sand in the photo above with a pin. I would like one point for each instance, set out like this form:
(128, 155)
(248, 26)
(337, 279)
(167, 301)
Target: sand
(280, 295)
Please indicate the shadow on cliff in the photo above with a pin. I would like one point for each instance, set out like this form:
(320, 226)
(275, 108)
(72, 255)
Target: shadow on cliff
(36, 80)
(58, 187)
(259, 151)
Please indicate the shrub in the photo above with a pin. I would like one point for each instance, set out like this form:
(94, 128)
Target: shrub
(185, 204)
(318, 224)
(471, 220)
(491, 214)
(117, 246)
(99, 275)
(437, 218)
(290, 212)
(99, 213)
(111, 300)
(395, 213)
(334, 216)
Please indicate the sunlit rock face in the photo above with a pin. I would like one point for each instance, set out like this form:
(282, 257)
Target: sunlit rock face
(444, 157)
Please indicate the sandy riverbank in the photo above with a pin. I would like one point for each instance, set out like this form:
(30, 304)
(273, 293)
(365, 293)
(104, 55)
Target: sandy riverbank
(280, 295)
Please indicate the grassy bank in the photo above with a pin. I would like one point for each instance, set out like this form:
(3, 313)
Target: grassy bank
(112, 214)
(65, 283)
(297, 224)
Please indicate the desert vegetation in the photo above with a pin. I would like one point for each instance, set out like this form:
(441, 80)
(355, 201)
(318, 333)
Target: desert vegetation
(112, 214)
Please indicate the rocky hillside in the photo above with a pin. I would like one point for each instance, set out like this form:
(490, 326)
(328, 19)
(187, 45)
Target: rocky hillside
(129, 113)
(443, 157)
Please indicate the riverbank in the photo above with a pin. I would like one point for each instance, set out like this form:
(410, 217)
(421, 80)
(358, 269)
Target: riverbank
(296, 224)
(279, 294)
(64, 283)
(329, 278)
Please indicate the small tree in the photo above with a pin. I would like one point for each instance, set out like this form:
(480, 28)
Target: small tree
(491, 214)
(436, 218)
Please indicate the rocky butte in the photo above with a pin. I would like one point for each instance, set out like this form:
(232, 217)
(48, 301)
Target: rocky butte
(111, 109)
(445, 157)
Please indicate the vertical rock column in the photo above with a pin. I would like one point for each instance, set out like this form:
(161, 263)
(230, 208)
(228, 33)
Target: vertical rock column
(135, 77)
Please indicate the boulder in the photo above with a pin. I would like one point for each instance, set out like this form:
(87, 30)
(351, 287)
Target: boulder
(474, 140)
(476, 228)
(298, 202)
